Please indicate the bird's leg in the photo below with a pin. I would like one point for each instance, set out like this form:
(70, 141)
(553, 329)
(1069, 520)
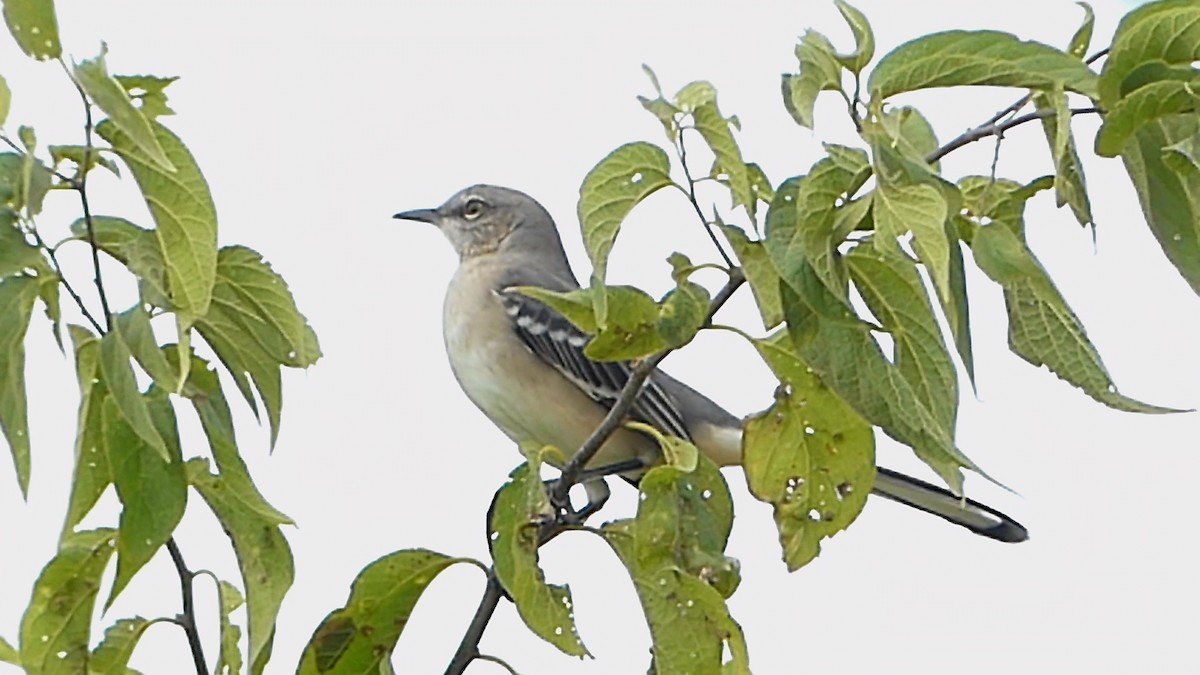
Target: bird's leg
(597, 489)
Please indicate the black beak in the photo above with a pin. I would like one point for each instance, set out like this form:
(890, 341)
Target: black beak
(420, 215)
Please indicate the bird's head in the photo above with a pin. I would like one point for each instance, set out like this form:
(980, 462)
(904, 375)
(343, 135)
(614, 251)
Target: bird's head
(485, 219)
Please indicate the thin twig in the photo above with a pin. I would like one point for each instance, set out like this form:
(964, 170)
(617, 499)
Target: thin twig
(187, 619)
(81, 188)
(993, 129)
(629, 393)
(498, 661)
(468, 649)
(681, 148)
(54, 265)
(71, 182)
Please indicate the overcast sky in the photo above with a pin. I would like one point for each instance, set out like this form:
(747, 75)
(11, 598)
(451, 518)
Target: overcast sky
(314, 122)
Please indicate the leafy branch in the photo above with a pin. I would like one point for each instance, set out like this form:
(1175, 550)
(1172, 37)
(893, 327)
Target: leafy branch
(998, 129)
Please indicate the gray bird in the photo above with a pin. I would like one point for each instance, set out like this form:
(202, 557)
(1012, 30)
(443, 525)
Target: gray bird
(523, 364)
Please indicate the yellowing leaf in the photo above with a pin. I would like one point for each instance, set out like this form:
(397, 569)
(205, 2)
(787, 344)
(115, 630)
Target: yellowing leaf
(809, 455)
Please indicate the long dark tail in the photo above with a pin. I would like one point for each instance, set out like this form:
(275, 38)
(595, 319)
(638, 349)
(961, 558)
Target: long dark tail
(941, 502)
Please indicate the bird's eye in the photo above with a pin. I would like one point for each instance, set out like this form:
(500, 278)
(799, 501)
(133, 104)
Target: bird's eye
(473, 208)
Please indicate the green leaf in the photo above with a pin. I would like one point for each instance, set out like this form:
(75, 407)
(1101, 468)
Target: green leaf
(16, 254)
(1165, 32)
(1170, 200)
(108, 95)
(149, 92)
(716, 133)
(1183, 156)
(16, 305)
(84, 158)
(24, 181)
(5, 100)
(1143, 105)
(262, 553)
(910, 134)
(958, 58)
(760, 274)
(1070, 186)
(609, 192)
(799, 224)
(676, 452)
(673, 550)
(864, 38)
(8, 653)
(809, 455)
(92, 475)
(999, 200)
(133, 325)
(848, 359)
(56, 625)
(203, 388)
(819, 71)
(111, 656)
(575, 305)
(682, 314)
(229, 659)
(520, 506)
(135, 247)
(34, 26)
(254, 326)
(183, 212)
(632, 328)
(1042, 329)
(889, 283)
(1082, 38)
(122, 385)
(360, 637)
(153, 492)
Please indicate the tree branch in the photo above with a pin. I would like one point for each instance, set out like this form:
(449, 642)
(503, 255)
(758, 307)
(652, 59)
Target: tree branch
(187, 619)
(468, 649)
(681, 149)
(629, 393)
(991, 128)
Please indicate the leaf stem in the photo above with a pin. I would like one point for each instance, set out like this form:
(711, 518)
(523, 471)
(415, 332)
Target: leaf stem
(54, 265)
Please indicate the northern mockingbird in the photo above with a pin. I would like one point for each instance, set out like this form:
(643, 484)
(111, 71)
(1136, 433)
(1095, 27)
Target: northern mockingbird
(523, 364)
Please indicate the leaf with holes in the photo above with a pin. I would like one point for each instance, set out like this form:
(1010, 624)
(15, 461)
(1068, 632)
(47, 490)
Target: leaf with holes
(809, 455)
(16, 306)
(609, 192)
(799, 225)
(16, 254)
(108, 95)
(360, 637)
(56, 626)
(111, 656)
(520, 507)
(184, 215)
(959, 58)
(149, 92)
(34, 27)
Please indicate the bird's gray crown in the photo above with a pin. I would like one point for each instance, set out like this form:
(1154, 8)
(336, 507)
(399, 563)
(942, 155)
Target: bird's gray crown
(488, 219)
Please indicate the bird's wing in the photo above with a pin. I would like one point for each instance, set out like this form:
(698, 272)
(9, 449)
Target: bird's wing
(559, 343)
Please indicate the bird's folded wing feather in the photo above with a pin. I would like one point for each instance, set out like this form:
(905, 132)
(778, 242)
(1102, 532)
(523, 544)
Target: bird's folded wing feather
(559, 343)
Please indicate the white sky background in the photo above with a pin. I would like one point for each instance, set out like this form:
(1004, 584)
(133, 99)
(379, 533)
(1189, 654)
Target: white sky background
(313, 125)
